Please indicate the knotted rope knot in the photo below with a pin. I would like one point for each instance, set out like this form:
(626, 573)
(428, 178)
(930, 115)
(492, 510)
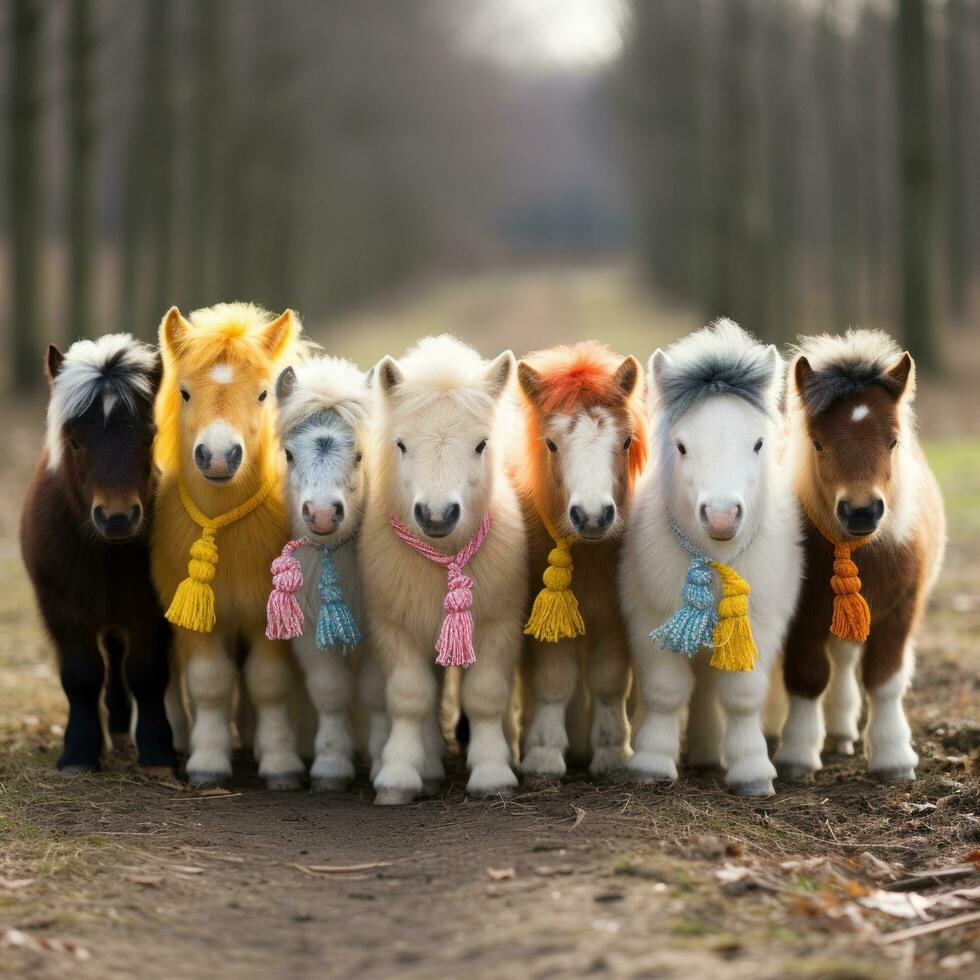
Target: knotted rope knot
(555, 615)
(193, 602)
(454, 644)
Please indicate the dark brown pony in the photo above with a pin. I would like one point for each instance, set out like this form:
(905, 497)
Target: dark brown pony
(864, 484)
(85, 544)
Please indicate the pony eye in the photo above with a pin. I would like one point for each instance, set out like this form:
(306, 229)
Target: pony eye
(682, 449)
(358, 458)
(481, 446)
(185, 394)
(758, 446)
(263, 396)
(551, 446)
(289, 456)
(401, 446)
(73, 442)
(628, 442)
(893, 444)
(817, 446)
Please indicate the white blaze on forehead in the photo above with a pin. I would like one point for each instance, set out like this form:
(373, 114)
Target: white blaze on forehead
(588, 459)
(222, 374)
(860, 412)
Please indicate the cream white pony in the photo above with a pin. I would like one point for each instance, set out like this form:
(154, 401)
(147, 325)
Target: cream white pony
(323, 422)
(439, 473)
(715, 475)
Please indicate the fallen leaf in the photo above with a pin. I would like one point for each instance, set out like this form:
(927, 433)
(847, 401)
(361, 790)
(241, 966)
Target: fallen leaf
(341, 869)
(15, 884)
(548, 871)
(579, 815)
(736, 880)
(186, 869)
(15, 938)
(501, 874)
(147, 881)
(898, 905)
(875, 868)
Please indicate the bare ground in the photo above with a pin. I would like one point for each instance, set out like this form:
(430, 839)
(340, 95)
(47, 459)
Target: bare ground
(118, 875)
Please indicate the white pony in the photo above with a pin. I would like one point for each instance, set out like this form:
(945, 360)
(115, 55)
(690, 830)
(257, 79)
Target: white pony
(439, 476)
(716, 480)
(323, 423)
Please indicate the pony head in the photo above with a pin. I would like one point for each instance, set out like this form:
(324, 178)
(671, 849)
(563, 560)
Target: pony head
(100, 429)
(324, 409)
(852, 399)
(717, 392)
(212, 409)
(439, 411)
(586, 435)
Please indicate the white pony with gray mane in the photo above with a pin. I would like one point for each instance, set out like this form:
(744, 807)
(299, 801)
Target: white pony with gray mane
(441, 491)
(715, 478)
(324, 418)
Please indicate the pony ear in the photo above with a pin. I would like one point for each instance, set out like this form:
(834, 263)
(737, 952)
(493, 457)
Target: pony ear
(280, 333)
(530, 381)
(499, 372)
(389, 374)
(659, 361)
(52, 362)
(173, 330)
(627, 375)
(802, 372)
(285, 383)
(902, 373)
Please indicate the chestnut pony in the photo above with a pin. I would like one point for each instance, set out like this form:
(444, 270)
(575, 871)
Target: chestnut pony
(864, 484)
(84, 532)
(585, 444)
(219, 455)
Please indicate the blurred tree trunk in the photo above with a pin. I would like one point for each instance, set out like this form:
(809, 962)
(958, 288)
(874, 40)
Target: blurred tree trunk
(81, 141)
(917, 187)
(25, 192)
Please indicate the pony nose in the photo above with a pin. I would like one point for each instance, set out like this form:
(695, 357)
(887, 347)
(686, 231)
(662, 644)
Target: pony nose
(233, 458)
(323, 520)
(860, 520)
(592, 525)
(721, 523)
(202, 457)
(437, 526)
(221, 466)
(116, 525)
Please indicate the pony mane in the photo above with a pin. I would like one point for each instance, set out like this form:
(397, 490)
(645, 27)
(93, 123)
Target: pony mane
(844, 365)
(719, 359)
(115, 368)
(326, 384)
(226, 332)
(580, 376)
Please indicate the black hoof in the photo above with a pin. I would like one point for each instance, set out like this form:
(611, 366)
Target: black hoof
(77, 768)
(762, 787)
(284, 782)
(208, 780)
(795, 774)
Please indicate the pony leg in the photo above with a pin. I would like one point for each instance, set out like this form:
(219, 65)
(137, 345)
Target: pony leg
(554, 668)
(116, 695)
(806, 671)
(433, 770)
(82, 674)
(666, 680)
(371, 690)
(485, 696)
(705, 729)
(609, 682)
(173, 701)
(330, 684)
(776, 707)
(147, 675)
(842, 702)
(748, 771)
(888, 737)
(269, 677)
(210, 681)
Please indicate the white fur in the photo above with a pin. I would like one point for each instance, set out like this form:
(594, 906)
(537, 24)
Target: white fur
(860, 412)
(222, 374)
(442, 400)
(720, 465)
(587, 445)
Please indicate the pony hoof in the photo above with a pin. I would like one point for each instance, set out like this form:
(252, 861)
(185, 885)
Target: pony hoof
(542, 763)
(389, 796)
(899, 774)
(431, 787)
(491, 792)
(795, 774)
(77, 768)
(838, 745)
(761, 787)
(207, 780)
(163, 773)
(284, 782)
(329, 784)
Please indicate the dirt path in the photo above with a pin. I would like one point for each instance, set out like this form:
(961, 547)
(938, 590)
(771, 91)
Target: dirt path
(119, 876)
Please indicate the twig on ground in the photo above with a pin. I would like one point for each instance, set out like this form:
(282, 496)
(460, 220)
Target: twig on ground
(940, 925)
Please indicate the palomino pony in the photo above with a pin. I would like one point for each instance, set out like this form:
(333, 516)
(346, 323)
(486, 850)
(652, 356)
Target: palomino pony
(221, 494)
(84, 534)
(324, 415)
(714, 512)
(864, 483)
(585, 444)
(443, 555)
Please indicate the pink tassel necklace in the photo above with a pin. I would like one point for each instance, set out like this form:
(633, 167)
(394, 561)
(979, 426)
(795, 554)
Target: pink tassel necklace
(455, 642)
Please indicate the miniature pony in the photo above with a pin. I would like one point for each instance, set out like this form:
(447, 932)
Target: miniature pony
(713, 515)
(83, 534)
(873, 509)
(324, 412)
(585, 444)
(221, 496)
(443, 555)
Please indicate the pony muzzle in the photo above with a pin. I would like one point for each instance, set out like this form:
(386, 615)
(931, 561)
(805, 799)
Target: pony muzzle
(218, 453)
(860, 520)
(117, 518)
(721, 522)
(440, 523)
(323, 520)
(592, 523)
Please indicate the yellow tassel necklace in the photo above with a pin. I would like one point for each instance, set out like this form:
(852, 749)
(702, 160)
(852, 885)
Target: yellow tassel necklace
(193, 603)
(555, 615)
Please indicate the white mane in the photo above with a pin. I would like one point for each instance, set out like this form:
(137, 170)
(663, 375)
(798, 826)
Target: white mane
(322, 384)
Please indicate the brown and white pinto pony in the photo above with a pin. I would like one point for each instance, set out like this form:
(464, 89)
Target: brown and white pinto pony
(585, 444)
(84, 531)
(861, 476)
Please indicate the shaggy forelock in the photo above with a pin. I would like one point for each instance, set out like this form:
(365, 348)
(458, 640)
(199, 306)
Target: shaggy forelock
(326, 384)
(844, 365)
(720, 359)
(115, 368)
